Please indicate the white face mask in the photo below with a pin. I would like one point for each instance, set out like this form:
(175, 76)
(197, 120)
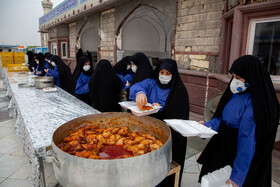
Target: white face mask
(37, 61)
(86, 68)
(53, 63)
(127, 67)
(164, 79)
(134, 68)
(237, 86)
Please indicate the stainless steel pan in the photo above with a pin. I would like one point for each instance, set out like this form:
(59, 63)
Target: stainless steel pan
(145, 170)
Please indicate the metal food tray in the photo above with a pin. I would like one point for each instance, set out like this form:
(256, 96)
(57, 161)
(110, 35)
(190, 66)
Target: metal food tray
(26, 85)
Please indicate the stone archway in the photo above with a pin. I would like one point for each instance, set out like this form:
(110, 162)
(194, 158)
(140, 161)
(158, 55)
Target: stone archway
(89, 39)
(145, 29)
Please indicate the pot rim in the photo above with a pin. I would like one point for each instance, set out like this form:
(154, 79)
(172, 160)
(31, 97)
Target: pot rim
(111, 160)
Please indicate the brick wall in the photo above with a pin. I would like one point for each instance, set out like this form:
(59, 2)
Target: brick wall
(107, 34)
(197, 37)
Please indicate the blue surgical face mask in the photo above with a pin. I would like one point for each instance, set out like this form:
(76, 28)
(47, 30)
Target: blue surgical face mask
(53, 63)
(134, 68)
(237, 86)
(86, 67)
(164, 79)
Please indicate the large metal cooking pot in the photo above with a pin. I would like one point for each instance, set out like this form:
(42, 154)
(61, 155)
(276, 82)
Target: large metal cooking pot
(44, 82)
(144, 170)
(31, 78)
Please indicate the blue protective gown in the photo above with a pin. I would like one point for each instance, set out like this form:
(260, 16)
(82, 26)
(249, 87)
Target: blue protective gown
(54, 73)
(238, 113)
(82, 84)
(128, 78)
(46, 66)
(154, 93)
(129, 73)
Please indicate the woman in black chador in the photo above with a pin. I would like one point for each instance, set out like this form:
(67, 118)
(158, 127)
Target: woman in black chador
(141, 67)
(48, 59)
(84, 74)
(31, 62)
(165, 88)
(123, 70)
(246, 119)
(76, 72)
(104, 87)
(79, 65)
(65, 76)
(123, 67)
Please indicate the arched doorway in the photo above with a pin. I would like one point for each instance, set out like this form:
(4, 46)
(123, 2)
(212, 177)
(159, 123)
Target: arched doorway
(146, 30)
(90, 40)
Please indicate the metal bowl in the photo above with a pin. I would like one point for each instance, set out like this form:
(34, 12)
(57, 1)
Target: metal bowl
(44, 82)
(144, 170)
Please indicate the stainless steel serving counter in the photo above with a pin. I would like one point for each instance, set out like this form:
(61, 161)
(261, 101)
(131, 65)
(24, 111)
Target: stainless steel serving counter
(37, 115)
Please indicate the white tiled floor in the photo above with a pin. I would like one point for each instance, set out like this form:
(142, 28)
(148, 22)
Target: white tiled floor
(15, 170)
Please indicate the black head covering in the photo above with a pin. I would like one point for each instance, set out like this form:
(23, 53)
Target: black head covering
(48, 57)
(65, 76)
(46, 54)
(122, 65)
(164, 64)
(104, 87)
(79, 54)
(176, 107)
(84, 60)
(90, 58)
(168, 66)
(41, 58)
(32, 65)
(266, 114)
(79, 68)
(30, 55)
(177, 102)
(77, 72)
(144, 68)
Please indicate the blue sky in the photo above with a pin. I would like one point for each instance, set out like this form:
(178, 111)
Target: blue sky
(19, 21)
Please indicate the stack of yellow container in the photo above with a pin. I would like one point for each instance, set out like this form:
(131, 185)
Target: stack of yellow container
(19, 57)
(6, 58)
(17, 67)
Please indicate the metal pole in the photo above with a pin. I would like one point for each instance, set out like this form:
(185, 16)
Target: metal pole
(41, 164)
(271, 46)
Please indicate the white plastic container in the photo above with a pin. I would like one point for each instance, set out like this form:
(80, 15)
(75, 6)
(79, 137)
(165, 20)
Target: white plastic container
(131, 105)
(217, 178)
(188, 128)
